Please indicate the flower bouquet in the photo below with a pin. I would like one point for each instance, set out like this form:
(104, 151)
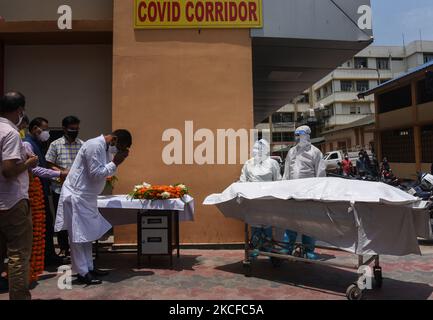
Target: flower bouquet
(110, 182)
(146, 191)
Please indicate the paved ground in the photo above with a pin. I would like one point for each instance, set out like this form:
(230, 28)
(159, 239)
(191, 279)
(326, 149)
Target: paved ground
(218, 274)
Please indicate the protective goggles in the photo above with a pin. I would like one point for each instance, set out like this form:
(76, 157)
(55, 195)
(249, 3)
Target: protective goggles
(300, 133)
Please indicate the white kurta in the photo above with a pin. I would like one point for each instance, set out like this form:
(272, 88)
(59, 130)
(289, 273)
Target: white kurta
(77, 211)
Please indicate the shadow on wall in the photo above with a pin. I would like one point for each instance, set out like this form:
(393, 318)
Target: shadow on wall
(207, 36)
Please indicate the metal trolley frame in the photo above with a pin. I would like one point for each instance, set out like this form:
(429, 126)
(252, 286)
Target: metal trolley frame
(353, 292)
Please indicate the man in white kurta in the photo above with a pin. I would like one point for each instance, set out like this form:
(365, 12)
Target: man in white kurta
(77, 211)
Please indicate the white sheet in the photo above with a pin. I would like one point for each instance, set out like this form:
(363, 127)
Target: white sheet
(356, 216)
(119, 210)
(316, 189)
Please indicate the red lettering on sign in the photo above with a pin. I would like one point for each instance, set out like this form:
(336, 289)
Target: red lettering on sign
(151, 11)
(209, 11)
(243, 11)
(253, 11)
(176, 11)
(233, 11)
(189, 7)
(162, 10)
(199, 11)
(141, 11)
(219, 11)
(226, 11)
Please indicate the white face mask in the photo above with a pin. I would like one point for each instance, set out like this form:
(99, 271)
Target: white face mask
(20, 119)
(44, 136)
(112, 149)
(260, 152)
(304, 140)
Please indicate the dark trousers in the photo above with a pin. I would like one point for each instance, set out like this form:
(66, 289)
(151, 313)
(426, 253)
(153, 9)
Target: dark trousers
(62, 236)
(49, 233)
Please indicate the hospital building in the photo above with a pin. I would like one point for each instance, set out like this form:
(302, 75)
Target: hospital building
(132, 64)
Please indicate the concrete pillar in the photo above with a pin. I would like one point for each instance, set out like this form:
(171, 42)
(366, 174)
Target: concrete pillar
(162, 78)
(377, 135)
(416, 128)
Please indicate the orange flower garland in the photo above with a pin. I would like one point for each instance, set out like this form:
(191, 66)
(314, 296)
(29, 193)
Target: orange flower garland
(159, 192)
(37, 206)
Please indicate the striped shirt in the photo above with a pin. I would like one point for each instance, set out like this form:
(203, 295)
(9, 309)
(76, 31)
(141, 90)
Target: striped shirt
(62, 153)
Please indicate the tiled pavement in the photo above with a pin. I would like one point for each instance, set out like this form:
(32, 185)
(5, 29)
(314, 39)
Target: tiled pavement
(218, 274)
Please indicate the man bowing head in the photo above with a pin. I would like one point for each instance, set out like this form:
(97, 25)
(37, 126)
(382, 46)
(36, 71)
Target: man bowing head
(77, 212)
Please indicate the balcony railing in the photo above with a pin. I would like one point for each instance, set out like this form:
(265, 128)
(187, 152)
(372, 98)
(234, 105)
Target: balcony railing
(284, 125)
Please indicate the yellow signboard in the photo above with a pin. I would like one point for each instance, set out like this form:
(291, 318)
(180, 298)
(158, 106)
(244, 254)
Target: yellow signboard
(157, 14)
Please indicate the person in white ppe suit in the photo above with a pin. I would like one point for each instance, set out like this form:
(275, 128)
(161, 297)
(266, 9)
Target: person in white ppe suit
(77, 211)
(261, 168)
(303, 161)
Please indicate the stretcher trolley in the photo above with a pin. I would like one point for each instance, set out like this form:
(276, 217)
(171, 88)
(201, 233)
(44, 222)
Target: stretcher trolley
(367, 219)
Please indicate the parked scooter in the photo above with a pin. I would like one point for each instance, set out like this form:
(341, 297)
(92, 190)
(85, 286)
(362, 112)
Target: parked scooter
(423, 188)
(388, 177)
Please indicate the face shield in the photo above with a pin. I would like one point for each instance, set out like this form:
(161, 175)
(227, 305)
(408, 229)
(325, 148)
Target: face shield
(302, 136)
(261, 151)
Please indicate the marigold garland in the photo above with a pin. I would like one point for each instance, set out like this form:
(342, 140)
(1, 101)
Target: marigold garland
(37, 206)
(158, 192)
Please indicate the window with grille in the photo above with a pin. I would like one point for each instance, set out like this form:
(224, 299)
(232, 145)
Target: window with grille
(383, 63)
(361, 63)
(305, 98)
(398, 145)
(282, 117)
(428, 57)
(355, 110)
(362, 86)
(283, 137)
(346, 86)
(427, 144)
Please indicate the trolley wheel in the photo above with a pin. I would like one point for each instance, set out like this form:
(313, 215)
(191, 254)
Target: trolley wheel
(378, 279)
(247, 268)
(353, 292)
(276, 263)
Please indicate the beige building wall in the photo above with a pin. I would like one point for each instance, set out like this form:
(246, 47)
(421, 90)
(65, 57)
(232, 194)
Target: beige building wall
(405, 170)
(62, 80)
(350, 135)
(426, 167)
(163, 78)
(46, 10)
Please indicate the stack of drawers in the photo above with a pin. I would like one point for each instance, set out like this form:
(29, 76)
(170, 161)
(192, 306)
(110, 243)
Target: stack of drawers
(155, 230)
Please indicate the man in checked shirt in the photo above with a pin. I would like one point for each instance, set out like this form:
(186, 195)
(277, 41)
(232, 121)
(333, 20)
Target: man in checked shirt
(61, 155)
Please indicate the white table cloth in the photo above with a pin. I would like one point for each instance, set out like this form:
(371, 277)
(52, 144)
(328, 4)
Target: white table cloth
(119, 210)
